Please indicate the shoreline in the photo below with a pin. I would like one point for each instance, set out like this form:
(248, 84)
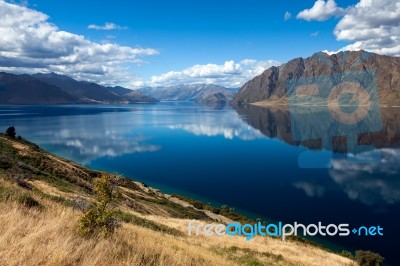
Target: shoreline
(60, 192)
(187, 201)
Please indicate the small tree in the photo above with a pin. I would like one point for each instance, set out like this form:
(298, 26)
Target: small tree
(100, 219)
(368, 258)
(11, 132)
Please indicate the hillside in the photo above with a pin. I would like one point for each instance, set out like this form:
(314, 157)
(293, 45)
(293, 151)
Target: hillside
(217, 99)
(25, 89)
(92, 92)
(42, 197)
(57, 89)
(190, 92)
(322, 72)
(133, 96)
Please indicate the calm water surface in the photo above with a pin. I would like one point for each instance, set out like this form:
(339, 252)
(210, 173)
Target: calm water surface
(247, 158)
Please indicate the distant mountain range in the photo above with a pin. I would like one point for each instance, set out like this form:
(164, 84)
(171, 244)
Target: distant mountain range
(52, 88)
(194, 92)
(273, 86)
(24, 89)
(216, 99)
(58, 89)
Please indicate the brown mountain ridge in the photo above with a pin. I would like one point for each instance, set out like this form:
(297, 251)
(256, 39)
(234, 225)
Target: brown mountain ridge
(271, 87)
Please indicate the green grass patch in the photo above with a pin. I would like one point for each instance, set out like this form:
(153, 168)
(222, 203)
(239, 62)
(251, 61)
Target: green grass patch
(224, 210)
(23, 198)
(246, 256)
(130, 218)
(176, 210)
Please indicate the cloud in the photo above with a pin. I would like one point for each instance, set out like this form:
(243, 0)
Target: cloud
(88, 139)
(107, 26)
(225, 131)
(228, 126)
(87, 150)
(287, 16)
(20, 2)
(311, 190)
(321, 11)
(372, 25)
(371, 184)
(30, 44)
(314, 34)
(230, 74)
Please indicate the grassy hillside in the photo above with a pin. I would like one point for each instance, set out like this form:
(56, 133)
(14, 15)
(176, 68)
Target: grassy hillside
(42, 198)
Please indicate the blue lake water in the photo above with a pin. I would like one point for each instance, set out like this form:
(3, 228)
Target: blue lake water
(246, 158)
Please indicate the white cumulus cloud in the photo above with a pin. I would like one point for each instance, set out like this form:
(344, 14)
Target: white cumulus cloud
(372, 25)
(30, 44)
(229, 74)
(107, 26)
(321, 11)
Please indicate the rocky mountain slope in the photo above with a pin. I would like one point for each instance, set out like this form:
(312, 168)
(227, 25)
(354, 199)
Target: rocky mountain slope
(132, 95)
(216, 99)
(323, 71)
(184, 92)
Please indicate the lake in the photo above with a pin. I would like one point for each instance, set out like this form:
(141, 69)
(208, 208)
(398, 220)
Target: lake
(284, 165)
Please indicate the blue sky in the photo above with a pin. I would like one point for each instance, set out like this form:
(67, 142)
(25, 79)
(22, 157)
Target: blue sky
(206, 34)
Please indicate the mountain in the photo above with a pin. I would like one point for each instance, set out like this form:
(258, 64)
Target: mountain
(133, 96)
(92, 92)
(25, 89)
(84, 91)
(323, 72)
(217, 99)
(184, 92)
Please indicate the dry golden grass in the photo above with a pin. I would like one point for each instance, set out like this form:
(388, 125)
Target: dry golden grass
(49, 237)
(294, 253)
(53, 191)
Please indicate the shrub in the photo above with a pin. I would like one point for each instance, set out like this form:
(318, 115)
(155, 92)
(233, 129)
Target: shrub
(225, 209)
(5, 161)
(347, 254)
(98, 221)
(216, 210)
(101, 218)
(11, 132)
(130, 184)
(27, 201)
(198, 205)
(368, 258)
